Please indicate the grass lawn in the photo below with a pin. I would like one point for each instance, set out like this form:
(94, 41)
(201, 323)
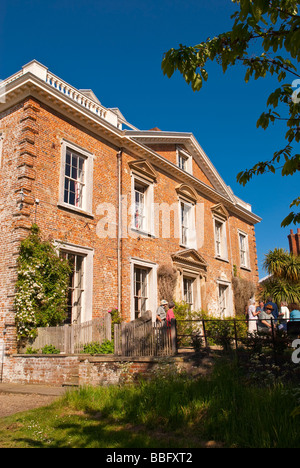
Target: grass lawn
(170, 411)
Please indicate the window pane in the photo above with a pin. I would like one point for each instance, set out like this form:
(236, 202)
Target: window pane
(223, 299)
(139, 209)
(80, 169)
(140, 291)
(72, 192)
(68, 158)
(184, 223)
(68, 170)
(66, 193)
(76, 287)
(218, 229)
(74, 179)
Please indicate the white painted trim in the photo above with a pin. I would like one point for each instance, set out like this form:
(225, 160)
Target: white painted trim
(229, 298)
(88, 253)
(243, 233)
(87, 196)
(152, 285)
(149, 203)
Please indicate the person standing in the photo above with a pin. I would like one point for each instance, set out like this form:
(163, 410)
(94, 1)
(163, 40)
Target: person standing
(170, 313)
(252, 317)
(293, 325)
(295, 312)
(161, 312)
(283, 316)
(260, 307)
(284, 313)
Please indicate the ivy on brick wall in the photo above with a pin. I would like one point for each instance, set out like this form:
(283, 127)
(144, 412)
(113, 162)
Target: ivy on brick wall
(42, 286)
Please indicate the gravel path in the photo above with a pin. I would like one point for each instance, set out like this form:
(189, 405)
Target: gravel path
(11, 403)
(16, 398)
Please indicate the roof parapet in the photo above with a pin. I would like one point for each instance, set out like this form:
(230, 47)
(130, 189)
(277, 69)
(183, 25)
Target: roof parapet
(81, 97)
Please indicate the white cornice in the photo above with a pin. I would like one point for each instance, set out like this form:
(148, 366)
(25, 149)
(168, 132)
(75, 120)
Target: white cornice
(32, 81)
(194, 148)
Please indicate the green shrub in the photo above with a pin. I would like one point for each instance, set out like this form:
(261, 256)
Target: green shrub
(115, 319)
(31, 350)
(223, 332)
(50, 349)
(42, 286)
(107, 347)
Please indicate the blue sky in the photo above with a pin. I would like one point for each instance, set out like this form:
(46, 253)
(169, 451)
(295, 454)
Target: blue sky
(116, 49)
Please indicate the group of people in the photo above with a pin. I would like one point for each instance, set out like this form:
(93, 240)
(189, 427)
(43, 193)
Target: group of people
(165, 312)
(260, 317)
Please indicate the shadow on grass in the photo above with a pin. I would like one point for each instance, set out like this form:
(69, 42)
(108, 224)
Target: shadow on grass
(86, 432)
(173, 411)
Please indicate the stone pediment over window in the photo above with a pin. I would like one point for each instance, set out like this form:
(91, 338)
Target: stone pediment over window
(220, 211)
(190, 258)
(187, 192)
(143, 168)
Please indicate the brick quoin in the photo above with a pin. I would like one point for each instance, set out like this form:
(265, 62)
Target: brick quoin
(42, 115)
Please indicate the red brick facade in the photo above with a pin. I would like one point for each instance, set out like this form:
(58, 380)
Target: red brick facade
(294, 242)
(40, 122)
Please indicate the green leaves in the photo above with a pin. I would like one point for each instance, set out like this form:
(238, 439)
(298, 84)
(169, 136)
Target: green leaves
(285, 270)
(189, 62)
(261, 28)
(42, 286)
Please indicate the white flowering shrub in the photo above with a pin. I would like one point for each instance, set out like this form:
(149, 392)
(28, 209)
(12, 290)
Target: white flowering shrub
(42, 286)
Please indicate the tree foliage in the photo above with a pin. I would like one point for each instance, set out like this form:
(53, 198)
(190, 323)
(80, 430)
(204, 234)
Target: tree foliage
(284, 281)
(42, 286)
(262, 29)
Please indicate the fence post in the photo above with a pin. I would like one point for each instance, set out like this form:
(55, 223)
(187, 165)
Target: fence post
(123, 338)
(235, 335)
(173, 336)
(273, 340)
(108, 326)
(204, 332)
(66, 340)
(116, 339)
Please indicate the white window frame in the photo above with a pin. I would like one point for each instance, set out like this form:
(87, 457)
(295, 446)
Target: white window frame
(147, 226)
(188, 225)
(195, 282)
(88, 254)
(244, 250)
(151, 302)
(220, 237)
(190, 290)
(184, 160)
(195, 291)
(86, 182)
(225, 309)
(142, 296)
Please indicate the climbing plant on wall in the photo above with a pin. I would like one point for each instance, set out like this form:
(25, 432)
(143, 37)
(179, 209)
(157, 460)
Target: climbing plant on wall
(42, 286)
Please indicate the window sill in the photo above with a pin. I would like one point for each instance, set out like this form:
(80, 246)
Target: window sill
(143, 233)
(245, 268)
(222, 259)
(75, 210)
(183, 246)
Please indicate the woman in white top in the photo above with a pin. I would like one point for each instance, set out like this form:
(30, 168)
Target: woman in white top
(284, 311)
(252, 317)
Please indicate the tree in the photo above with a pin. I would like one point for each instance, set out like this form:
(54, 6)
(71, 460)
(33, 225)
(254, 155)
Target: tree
(42, 286)
(261, 28)
(284, 281)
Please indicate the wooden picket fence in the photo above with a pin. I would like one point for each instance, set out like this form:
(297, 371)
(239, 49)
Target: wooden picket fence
(145, 338)
(71, 339)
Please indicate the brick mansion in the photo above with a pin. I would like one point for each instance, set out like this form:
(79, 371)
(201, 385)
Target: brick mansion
(119, 202)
